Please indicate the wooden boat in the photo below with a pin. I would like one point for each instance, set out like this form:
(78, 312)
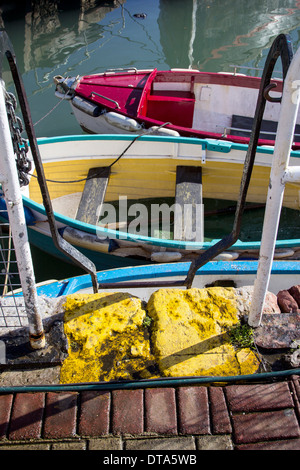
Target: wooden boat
(146, 173)
(186, 102)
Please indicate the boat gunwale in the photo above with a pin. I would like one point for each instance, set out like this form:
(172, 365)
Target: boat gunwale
(218, 145)
(153, 272)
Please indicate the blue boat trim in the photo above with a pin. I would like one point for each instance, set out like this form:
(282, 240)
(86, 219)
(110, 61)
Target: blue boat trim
(240, 268)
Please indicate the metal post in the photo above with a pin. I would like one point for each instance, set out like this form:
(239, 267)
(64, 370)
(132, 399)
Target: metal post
(280, 173)
(13, 198)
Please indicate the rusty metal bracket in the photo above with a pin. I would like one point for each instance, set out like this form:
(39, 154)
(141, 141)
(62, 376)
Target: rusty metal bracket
(267, 96)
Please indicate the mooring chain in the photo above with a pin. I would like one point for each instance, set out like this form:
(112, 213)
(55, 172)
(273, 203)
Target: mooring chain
(20, 145)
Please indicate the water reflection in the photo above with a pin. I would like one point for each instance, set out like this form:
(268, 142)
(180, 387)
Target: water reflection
(206, 34)
(216, 33)
(90, 36)
(49, 32)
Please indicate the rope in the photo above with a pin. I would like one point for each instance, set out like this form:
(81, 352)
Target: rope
(109, 166)
(91, 177)
(49, 112)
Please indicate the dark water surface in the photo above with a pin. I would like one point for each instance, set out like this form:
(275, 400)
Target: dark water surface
(81, 37)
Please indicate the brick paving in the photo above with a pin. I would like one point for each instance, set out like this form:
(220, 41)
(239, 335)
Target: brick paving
(188, 418)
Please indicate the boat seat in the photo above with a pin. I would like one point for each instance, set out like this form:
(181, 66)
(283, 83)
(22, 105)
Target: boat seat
(177, 110)
(242, 126)
(93, 195)
(188, 214)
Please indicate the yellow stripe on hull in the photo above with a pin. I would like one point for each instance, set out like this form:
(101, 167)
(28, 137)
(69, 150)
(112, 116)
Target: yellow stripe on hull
(147, 177)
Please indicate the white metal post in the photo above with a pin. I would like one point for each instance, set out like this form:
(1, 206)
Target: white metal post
(13, 198)
(280, 174)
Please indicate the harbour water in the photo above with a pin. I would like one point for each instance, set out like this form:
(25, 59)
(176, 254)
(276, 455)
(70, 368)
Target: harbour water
(83, 37)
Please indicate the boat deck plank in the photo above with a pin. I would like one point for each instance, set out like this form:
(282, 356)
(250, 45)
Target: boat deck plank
(188, 216)
(93, 195)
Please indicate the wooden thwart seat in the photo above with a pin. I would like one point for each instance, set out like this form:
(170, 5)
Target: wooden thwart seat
(188, 215)
(93, 195)
(242, 126)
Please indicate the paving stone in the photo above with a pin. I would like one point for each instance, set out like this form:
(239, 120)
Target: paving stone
(291, 444)
(296, 383)
(259, 397)
(108, 443)
(255, 427)
(78, 445)
(223, 442)
(221, 423)
(5, 410)
(27, 416)
(60, 415)
(193, 410)
(160, 411)
(34, 446)
(127, 411)
(170, 443)
(94, 413)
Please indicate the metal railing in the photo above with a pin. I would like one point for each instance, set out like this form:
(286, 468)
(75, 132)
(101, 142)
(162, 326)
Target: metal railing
(12, 307)
(281, 173)
(15, 215)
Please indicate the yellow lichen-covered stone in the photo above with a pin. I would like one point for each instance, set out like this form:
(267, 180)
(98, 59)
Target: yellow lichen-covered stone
(248, 361)
(220, 360)
(183, 318)
(107, 338)
(189, 331)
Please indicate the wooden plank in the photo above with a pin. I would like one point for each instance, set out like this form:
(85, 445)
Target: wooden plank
(243, 122)
(188, 214)
(93, 195)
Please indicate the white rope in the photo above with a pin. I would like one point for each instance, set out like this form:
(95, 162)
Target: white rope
(49, 112)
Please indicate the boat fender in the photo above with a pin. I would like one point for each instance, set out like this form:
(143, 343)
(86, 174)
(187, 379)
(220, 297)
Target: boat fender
(87, 107)
(166, 256)
(122, 122)
(283, 253)
(227, 256)
(156, 130)
(62, 96)
(86, 240)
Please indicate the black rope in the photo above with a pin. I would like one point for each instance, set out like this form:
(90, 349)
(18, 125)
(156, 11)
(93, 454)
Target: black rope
(109, 166)
(100, 171)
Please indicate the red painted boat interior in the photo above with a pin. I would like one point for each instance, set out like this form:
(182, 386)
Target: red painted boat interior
(125, 89)
(176, 107)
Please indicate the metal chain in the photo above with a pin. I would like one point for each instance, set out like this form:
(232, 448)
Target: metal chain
(20, 145)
